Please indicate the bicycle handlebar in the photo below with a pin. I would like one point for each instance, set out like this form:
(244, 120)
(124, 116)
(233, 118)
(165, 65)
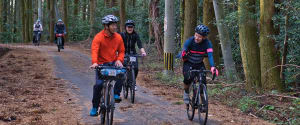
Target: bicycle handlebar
(198, 71)
(108, 67)
(135, 55)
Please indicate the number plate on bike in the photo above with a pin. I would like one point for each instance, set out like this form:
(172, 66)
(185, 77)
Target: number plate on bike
(112, 72)
(132, 59)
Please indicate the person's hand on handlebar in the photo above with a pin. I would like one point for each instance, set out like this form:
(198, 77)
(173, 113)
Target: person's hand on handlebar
(94, 66)
(214, 70)
(143, 52)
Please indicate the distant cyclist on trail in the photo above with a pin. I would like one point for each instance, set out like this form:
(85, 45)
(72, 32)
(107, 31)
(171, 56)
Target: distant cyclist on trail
(37, 29)
(107, 47)
(193, 53)
(60, 28)
(131, 38)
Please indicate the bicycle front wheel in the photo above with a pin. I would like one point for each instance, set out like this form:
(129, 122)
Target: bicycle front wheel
(125, 88)
(59, 44)
(132, 86)
(110, 106)
(190, 108)
(203, 104)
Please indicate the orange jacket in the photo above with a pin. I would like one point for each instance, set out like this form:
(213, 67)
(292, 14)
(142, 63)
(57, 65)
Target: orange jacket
(107, 48)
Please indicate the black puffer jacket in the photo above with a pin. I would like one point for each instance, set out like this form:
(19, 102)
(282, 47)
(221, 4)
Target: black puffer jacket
(129, 42)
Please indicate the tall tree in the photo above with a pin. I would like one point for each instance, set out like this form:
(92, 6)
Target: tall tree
(27, 20)
(169, 35)
(249, 43)
(190, 18)
(16, 16)
(106, 3)
(4, 14)
(30, 20)
(92, 18)
(1, 17)
(114, 3)
(57, 14)
(23, 14)
(84, 7)
(52, 19)
(49, 17)
(209, 20)
(285, 47)
(76, 7)
(154, 13)
(182, 21)
(150, 27)
(225, 41)
(65, 8)
(88, 10)
(122, 14)
(40, 10)
(133, 3)
(270, 77)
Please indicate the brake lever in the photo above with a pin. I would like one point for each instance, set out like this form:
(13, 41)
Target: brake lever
(214, 76)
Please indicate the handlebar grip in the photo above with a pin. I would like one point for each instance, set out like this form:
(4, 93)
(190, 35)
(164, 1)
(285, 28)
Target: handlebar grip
(214, 76)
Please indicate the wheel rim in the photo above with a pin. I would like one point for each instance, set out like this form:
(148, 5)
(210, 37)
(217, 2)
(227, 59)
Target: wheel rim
(125, 90)
(112, 106)
(203, 106)
(190, 111)
(132, 86)
(191, 105)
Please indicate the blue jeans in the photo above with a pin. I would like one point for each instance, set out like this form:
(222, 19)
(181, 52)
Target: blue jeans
(98, 87)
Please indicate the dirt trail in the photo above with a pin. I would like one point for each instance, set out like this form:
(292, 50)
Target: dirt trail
(72, 66)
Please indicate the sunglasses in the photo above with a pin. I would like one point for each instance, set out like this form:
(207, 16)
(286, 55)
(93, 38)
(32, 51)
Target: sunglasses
(130, 26)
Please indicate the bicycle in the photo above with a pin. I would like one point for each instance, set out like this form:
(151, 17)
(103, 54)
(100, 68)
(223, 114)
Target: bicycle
(130, 81)
(59, 41)
(107, 103)
(37, 38)
(199, 98)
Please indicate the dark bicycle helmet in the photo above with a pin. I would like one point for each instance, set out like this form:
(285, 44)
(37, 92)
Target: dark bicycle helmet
(129, 23)
(109, 19)
(202, 30)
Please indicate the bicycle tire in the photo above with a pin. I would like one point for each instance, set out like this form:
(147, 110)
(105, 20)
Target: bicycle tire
(102, 105)
(203, 105)
(125, 88)
(38, 40)
(132, 86)
(110, 106)
(191, 106)
(58, 44)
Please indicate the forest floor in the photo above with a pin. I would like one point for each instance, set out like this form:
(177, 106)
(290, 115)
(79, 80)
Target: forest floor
(30, 93)
(274, 106)
(47, 87)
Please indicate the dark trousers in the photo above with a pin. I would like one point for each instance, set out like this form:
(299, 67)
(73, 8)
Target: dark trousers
(98, 87)
(188, 78)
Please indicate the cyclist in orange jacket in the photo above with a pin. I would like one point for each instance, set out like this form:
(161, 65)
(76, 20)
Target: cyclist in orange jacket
(107, 48)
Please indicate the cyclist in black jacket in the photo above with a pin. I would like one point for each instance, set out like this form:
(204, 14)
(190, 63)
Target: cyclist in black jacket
(60, 28)
(131, 38)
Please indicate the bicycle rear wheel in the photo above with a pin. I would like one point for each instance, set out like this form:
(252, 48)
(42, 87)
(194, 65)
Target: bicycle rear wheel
(203, 105)
(191, 106)
(132, 86)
